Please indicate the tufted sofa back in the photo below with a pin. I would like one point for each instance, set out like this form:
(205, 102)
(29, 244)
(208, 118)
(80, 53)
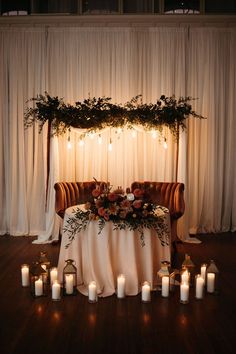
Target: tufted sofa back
(168, 194)
(73, 193)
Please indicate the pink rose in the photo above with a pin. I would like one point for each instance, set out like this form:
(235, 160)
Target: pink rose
(112, 197)
(95, 193)
(106, 217)
(137, 204)
(138, 193)
(101, 211)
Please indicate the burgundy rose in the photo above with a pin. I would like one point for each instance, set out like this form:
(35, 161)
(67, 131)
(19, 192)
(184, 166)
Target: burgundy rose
(95, 193)
(101, 211)
(137, 204)
(138, 193)
(112, 197)
(99, 203)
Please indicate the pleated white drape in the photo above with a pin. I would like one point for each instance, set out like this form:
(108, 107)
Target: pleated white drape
(121, 63)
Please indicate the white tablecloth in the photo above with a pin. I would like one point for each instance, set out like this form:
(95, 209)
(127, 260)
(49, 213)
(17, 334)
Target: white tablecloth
(103, 257)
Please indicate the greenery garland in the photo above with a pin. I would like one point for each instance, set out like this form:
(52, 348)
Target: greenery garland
(95, 114)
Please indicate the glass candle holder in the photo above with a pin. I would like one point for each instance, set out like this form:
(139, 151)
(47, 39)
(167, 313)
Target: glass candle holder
(56, 291)
(146, 292)
(53, 275)
(38, 275)
(92, 292)
(184, 293)
(38, 286)
(211, 283)
(185, 276)
(121, 286)
(70, 278)
(199, 287)
(25, 279)
(165, 286)
(190, 266)
(203, 272)
(212, 269)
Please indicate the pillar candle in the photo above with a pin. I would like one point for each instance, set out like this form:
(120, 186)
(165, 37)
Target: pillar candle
(146, 292)
(25, 275)
(53, 275)
(210, 282)
(203, 272)
(92, 291)
(38, 287)
(185, 277)
(199, 287)
(165, 286)
(121, 286)
(184, 292)
(69, 284)
(56, 290)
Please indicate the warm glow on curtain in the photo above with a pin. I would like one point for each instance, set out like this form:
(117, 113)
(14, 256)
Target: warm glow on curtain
(121, 63)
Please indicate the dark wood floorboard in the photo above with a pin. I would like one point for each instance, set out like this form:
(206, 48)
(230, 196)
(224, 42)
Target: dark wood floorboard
(112, 326)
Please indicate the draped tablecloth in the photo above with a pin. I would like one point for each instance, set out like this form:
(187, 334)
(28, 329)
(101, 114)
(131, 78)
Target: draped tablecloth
(102, 257)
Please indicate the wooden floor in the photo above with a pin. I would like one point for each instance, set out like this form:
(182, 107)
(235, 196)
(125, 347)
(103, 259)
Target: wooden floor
(72, 325)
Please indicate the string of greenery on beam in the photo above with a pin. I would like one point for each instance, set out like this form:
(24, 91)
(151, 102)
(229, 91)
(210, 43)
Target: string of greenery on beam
(96, 114)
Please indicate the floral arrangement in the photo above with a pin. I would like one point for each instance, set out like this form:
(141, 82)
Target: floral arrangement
(95, 114)
(132, 211)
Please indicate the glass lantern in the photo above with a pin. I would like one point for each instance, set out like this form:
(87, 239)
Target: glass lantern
(38, 280)
(212, 278)
(44, 262)
(167, 271)
(190, 267)
(70, 278)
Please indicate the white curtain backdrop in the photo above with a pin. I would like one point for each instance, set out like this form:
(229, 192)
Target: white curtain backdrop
(74, 63)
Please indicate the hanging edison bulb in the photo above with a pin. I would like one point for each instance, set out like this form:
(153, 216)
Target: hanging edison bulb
(99, 139)
(81, 141)
(110, 145)
(69, 146)
(154, 134)
(165, 144)
(133, 134)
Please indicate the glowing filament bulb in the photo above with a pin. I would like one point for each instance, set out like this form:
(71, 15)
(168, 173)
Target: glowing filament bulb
(119, 130)
(81, 142)
(154, 134)
(69, 146)
(99, 139)
(110, 145)
(91, 135)
(134, 134)
(165, 144)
